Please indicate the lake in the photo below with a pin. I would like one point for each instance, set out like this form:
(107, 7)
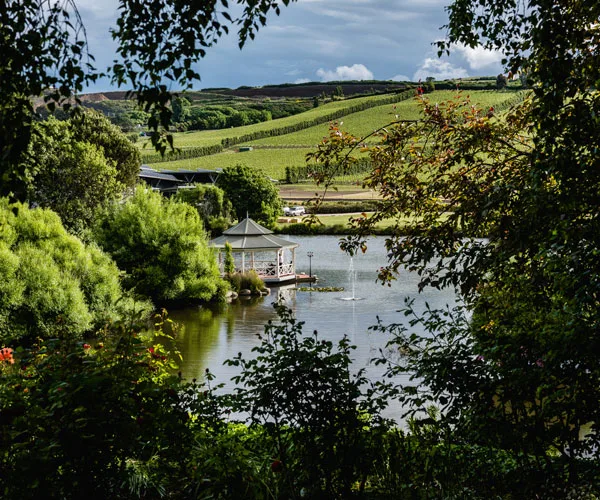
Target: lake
(209, 336)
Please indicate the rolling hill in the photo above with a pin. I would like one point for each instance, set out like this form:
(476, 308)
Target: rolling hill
(278, 145)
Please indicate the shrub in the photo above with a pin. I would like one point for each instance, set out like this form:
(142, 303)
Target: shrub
(212, 205)
(52, 284)
(323, 427)
(229, 263)
(92, 421)
(342, 207)
(248, 280)
(162, 246)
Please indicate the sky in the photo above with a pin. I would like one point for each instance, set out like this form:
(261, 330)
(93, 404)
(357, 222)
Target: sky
(321, 40)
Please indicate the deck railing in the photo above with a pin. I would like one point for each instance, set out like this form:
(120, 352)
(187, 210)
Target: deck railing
(267, 268)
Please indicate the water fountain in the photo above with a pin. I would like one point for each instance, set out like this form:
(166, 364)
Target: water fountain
(352, 279)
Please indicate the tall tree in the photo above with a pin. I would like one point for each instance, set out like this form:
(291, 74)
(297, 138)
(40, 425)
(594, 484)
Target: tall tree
(251, 193)
(94, 128)
(75, 167)
(518, 368)
(181, 109)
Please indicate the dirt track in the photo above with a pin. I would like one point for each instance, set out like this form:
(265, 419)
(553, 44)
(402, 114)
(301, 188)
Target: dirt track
(290, 193)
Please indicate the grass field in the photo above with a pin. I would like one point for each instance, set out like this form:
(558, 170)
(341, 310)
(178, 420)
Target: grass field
(341, 222)
(360, 124)
(271, 161)
(365, 122)
(208, 137)
(271, 154)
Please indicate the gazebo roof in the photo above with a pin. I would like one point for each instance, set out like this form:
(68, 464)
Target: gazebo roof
(248, 235)
(247, 228)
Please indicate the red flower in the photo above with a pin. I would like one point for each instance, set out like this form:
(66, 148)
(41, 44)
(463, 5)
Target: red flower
(86, 346)
(277, 466)
(6, 354)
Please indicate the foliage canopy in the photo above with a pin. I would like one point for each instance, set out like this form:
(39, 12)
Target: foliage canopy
(70, 176)
(251, 193)
(212, 205)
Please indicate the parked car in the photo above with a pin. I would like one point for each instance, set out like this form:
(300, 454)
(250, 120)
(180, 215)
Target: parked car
(294, 211)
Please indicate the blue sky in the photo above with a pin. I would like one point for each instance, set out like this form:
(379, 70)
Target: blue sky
(322, 40)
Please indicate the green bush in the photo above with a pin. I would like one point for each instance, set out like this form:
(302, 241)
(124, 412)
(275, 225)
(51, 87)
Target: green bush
(52, 284)
(312, 229)
(248, 280)
(212, 205)
(181, 154)
(294, 175)
(92, 421)
(229, 262)
(324, 430)
(343, 207)
(162, 246)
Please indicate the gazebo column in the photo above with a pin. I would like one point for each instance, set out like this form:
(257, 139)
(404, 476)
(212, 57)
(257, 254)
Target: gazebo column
(252, 260)
(278, 260)
(294, 260)
(243, 261)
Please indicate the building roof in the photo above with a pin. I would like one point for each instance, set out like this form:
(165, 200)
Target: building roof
(153, 174)
(248, 228)
(167, 179)
(248, 235)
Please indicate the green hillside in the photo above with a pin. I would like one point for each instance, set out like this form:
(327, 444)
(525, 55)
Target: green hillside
(273, 154)
(210, 137)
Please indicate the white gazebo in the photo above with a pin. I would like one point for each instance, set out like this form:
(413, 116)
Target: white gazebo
(255, 247)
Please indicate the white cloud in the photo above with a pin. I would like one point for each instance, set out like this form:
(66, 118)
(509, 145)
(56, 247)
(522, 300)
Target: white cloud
(400, 78)
(479, 57)
(439, 69)
(354, 72)
(301, 80)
